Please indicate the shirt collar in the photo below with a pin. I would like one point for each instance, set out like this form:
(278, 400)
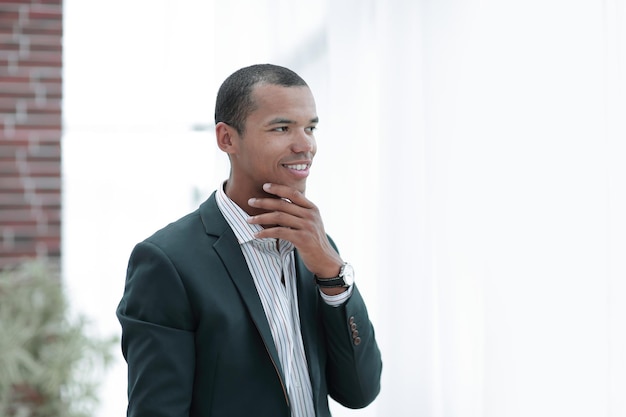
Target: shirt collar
(236, 217)
(244, 232)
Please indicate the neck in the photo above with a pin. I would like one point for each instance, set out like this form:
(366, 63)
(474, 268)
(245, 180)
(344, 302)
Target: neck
(241, 195)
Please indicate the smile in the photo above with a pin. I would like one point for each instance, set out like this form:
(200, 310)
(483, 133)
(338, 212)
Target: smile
(297, 167)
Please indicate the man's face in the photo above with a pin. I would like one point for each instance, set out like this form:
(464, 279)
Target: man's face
(278, 144)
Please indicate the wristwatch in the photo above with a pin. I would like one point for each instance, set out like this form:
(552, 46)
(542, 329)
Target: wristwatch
(345, 278)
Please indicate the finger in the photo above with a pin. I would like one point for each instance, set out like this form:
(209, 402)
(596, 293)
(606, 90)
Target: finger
(279, 218)
(289, 193)
(283, 233)
(275, 204)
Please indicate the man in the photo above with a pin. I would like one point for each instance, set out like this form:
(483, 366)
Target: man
(244, 307)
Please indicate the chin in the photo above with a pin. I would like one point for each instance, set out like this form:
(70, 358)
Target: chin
(300, 187)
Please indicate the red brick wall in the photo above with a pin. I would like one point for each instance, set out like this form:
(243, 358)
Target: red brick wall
(30, 129)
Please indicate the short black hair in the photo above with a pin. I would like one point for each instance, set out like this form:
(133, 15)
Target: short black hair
(234, 99)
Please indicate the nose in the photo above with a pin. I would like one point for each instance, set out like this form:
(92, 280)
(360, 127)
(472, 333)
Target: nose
(303, 142)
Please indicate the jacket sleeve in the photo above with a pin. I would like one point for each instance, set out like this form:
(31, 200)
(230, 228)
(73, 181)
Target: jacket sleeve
(354, 363)
(157, 336)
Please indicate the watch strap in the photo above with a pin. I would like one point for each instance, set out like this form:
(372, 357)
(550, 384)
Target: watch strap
(330, 282)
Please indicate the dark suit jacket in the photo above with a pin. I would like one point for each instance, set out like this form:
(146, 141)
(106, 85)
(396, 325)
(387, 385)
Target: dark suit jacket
(197, 341)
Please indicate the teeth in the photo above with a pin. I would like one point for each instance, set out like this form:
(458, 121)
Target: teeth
(298, 167)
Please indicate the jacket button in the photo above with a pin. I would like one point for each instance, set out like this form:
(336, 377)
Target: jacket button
(353, 326)
(355, 333)
(351, 320)
(357, 341)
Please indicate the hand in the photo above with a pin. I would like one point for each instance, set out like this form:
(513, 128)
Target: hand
(294, 218)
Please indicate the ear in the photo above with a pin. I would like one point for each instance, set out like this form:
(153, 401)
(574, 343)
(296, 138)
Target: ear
(226, 137)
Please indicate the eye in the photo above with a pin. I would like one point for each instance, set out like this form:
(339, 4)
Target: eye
(281, 129)
(311, 129)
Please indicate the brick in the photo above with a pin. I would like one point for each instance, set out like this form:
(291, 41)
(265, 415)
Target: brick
(13, 5)
(31, 73)
(11, 147)
(49, 107)
(8, 38)
(29, 184)
(11, 105)
(45, 12)
(8, 42)
(16, 89)
(40, 59)
(39, 92)
(33, 154)
(29, 230)
(43, 236)
(18, 73)
(8, 152)
(52, 243)
(20, 200)
(51, 89)
(31, 127)
(37, 121)
(47, 145)
(8, 167)
(9, 14)
(43, 27)
(20, 78)
(54, 47)
(15, 41)
(10, 48)
(46, 74)
(35, 184)
(11, 200)
(6, 29)
(53, 216)
(17, 217)
(8, 104)
(32, 136)
(50, 200)
(30, 217)
(21, 241)
(31, 168)
(44, 168)
(11, 184)
(42, 40)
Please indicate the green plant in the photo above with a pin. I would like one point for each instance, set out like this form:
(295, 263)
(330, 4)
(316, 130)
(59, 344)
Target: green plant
(48, 363)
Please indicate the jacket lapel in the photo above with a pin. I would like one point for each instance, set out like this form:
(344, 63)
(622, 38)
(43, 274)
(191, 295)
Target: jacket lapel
(230, 253)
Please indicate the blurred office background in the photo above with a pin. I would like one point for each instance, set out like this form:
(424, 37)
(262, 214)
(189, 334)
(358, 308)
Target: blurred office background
(470, 165)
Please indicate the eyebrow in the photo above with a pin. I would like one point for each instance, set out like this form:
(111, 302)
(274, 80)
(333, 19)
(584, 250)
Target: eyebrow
(280, 120)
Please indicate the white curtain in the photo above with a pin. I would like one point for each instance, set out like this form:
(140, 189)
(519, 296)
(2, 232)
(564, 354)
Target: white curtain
(471, 166)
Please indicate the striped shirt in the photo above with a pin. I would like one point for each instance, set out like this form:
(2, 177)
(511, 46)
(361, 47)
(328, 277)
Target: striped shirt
(270, 263)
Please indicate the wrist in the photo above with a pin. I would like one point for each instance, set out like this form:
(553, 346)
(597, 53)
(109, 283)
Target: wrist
(343, 279)
(333, 291)
(330, 272)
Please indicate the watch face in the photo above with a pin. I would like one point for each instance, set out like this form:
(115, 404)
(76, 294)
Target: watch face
(348, 274)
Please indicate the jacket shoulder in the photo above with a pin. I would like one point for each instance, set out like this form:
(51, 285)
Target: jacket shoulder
(189, 229)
